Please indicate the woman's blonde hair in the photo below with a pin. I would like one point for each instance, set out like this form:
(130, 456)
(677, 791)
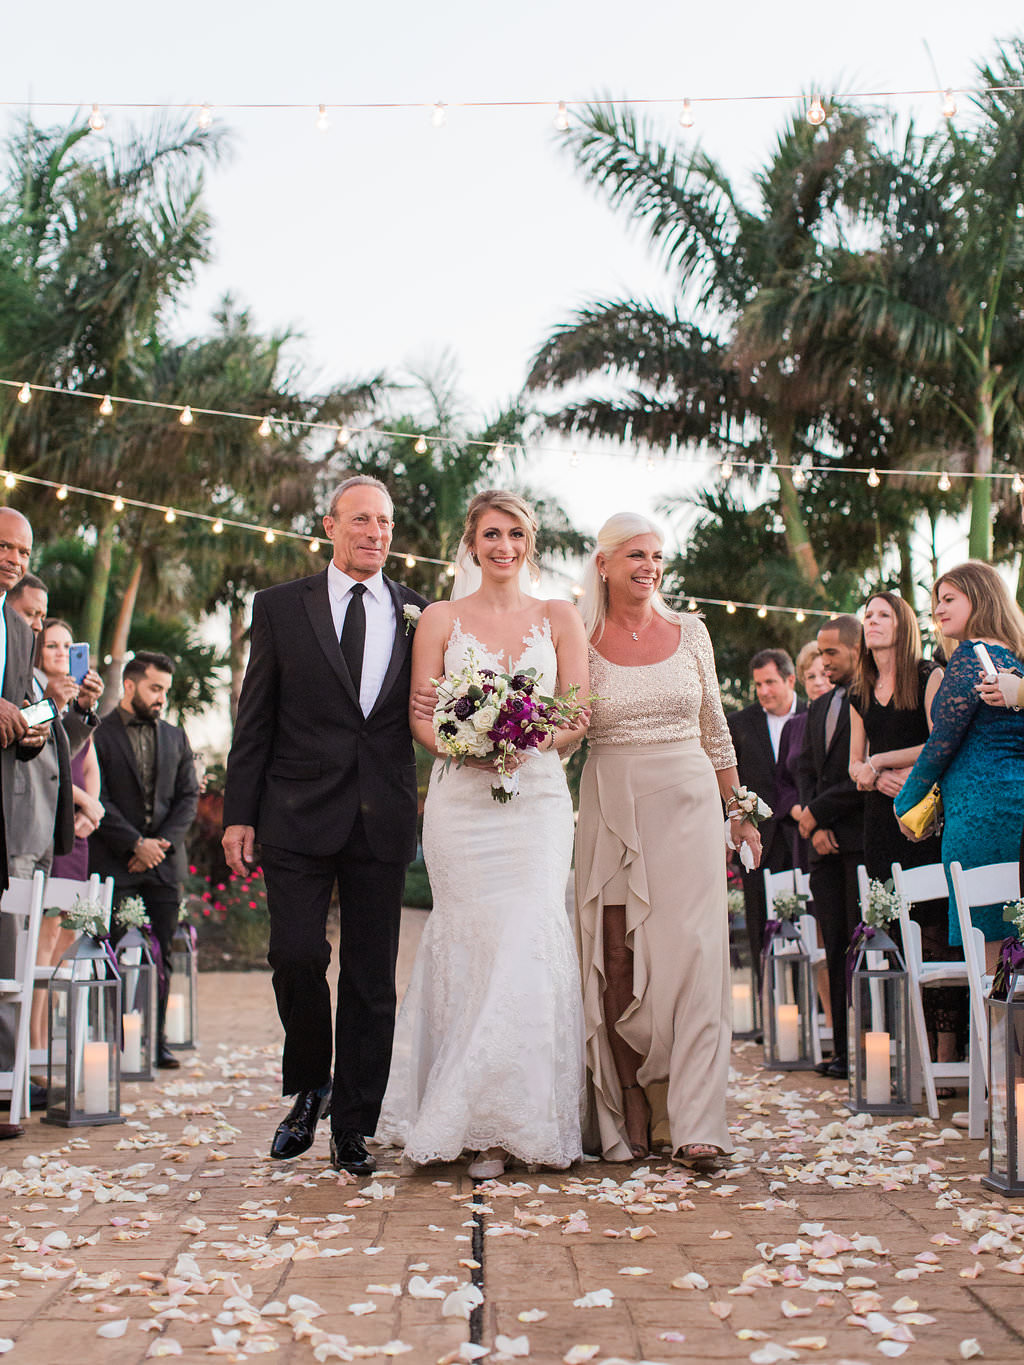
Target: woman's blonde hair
(502, 500)
(994, 613)
(804, 659)
(906, 656)
(616, 531)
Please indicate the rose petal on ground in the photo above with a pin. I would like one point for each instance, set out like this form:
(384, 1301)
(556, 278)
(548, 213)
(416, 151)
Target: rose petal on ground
(642, 1233)
(892, 1348)
(772, 1352)
(361, 1309)
(969, 1348)
(532, 1315)
(113, 1329)
(809, 1343)
(512, 1346)
(595, 1298)
(719, 1235)
(165, 1346)
(635, 1270)
(461, 1302)
(792, 1310)
(692, 1280)
(721, 1310)
(578, 1355)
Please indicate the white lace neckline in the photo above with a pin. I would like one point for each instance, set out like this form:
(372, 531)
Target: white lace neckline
(536, 635)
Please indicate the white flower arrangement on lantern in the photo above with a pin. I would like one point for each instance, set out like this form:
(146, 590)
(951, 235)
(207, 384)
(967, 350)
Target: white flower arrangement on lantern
(737, 904)
(883, 905)
(789, 905)
(132, 912)
(86, 917)
(411, 616)
(1013, 913)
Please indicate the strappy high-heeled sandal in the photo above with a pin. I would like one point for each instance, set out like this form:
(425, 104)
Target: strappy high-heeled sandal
(638, 1149)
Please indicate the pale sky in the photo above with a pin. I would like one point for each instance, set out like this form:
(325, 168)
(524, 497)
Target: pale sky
(385, 241)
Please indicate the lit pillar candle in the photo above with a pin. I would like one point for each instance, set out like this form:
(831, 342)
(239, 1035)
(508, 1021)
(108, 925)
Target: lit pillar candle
(131, 1051)
(95, 1078)
(174, 1025)
(742, 1007)
(876, 1068)
(787, 1033)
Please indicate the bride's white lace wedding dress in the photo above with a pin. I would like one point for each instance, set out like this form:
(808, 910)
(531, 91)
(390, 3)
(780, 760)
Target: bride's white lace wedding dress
(489, 1046)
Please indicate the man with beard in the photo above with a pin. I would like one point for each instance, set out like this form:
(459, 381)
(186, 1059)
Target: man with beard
(149, 794)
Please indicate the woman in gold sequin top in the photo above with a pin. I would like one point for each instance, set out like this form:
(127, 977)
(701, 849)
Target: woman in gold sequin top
(652, 925)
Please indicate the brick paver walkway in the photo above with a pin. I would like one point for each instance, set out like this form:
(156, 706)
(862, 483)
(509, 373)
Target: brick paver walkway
(828, 1240)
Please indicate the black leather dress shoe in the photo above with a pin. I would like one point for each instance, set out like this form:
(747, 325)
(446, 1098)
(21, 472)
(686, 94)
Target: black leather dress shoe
(836, 1070)
(296, 1132)
(348, 1153)
(11, 1130)
(165, 1059)
(38, 1096)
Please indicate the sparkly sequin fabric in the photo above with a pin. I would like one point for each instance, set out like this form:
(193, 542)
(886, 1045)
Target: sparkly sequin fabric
(663, 703)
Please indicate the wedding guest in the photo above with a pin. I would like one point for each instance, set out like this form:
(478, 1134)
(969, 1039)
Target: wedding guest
(811, 676)
(652, 923)
(489, 1040)
(974, 752)
(833, 818)
(757, 733)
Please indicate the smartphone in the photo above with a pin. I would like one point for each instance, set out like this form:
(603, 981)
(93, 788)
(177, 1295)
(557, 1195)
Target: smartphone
(78, 661)
(39, 712)
(984, 658)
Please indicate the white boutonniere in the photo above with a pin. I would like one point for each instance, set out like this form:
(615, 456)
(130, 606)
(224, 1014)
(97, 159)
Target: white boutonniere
(411, 616)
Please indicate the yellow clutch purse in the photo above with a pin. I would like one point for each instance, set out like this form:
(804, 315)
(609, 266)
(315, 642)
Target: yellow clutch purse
(926, 817)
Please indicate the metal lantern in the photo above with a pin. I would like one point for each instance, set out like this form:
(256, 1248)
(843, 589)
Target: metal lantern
(786, 999)
(743, 984)
(879, 1027)
(1006, 1083)
(138, 996)
(84, 1054)
(181, 1020)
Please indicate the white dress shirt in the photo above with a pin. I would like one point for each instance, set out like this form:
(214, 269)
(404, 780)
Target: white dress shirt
(380, 627)
(3, 639)
(776, 725)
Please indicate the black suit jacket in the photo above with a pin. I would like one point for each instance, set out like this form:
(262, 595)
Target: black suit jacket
(823, 777)
(175, 796)
(304, 759)
(15, 687)
(756, 765)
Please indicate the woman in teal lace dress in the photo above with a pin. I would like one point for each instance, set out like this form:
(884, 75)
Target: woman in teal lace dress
(975, 752)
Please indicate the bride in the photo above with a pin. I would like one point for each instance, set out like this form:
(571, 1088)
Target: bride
(489, 1042)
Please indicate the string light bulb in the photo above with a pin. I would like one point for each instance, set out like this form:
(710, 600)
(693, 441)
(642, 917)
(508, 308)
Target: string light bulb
(577, 590)
(344, 436)
(10, 481)
(686, 115)
(118, 504)
(692, 604)
(322, 121)
(170, 516)
(562, 117)
(218, 527)
(264, 427)
(25, 393)
(799, 477)
(944, 482)
(314, 546)
(204, 119)
(96, 120)
(410, 561)
(186, 419)
(269, 536)
(439, 114)
(800, 618)
(62, 493)
(762, 612)
(816, 113)
(574, 460)
(1018, 484)
(726, 469)
(450, 571)
(106, 407)
(731, 608)
(873, 479)
(421, 445)
(499, 452)
(949, 105)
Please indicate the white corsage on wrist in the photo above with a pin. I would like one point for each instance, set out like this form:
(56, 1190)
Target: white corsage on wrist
(745, 804)
(411, 616)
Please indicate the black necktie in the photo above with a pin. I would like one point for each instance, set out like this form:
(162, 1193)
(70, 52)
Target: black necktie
(832, 717)
(353, 634)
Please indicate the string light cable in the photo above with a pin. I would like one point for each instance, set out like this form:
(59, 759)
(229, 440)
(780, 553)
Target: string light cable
(727, 466)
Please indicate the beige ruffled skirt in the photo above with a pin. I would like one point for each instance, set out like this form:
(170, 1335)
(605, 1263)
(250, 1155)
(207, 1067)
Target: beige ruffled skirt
(650, 838)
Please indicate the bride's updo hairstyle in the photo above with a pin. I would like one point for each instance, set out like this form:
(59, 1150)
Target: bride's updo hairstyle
(502, 500)
(616, 531)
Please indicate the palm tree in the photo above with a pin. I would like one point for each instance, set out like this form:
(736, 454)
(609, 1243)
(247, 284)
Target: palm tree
(934, 310)
(678, 377)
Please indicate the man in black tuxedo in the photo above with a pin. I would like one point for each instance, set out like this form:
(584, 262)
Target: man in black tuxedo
(322, 773)
(833, 818)
(756, 731)
(149, 794)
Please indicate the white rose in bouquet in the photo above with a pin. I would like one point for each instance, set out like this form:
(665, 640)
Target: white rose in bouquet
(485, 719)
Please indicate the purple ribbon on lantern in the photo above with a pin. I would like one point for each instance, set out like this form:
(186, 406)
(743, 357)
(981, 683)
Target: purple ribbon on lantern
(862, 936)
(1011, 963)
(158, 960)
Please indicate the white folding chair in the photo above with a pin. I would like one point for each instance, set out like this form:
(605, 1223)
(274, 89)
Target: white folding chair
(787, 882)
(61, 893)
(23, 898)
(912, 885)
(993, 884)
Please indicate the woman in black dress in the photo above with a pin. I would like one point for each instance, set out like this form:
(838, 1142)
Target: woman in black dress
(890, 719)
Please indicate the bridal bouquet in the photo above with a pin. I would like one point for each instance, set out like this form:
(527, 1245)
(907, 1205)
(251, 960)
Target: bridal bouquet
(480, 713)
